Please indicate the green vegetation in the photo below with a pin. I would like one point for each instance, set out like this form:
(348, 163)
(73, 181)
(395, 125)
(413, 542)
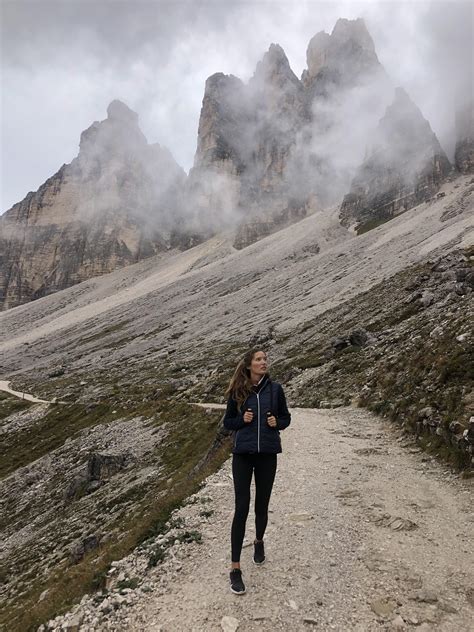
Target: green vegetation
(10, 404)
(437, 375)
(104, 332)
(406, 371)
(311, 359)
(132, 583)
(371, 224)
(47, 433)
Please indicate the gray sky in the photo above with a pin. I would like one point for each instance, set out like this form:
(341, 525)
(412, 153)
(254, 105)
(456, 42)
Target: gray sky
(64, 61)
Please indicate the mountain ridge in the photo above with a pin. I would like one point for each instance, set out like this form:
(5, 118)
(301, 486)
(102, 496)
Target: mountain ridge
(268, 154)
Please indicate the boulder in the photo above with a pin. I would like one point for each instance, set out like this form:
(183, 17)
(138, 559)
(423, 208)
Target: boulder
(102, 465)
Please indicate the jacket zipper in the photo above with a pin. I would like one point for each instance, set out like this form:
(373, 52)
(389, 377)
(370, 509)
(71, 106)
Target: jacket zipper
(258, 420)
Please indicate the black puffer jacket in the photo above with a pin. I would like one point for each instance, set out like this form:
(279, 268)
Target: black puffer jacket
(258, 436)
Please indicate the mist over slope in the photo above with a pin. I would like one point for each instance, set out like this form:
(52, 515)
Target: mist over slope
(212, 292)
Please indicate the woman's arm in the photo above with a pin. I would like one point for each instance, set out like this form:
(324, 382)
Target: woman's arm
(284, 416)
(233, 420)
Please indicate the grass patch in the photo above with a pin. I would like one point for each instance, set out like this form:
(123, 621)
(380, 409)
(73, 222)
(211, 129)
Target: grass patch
(104, 332)
(371, 224)
(48, 433)
(132, 583)
(437, 446)
(10, 404)
(310, 360)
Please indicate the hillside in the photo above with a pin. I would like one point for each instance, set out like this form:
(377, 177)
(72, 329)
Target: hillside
(87, 480)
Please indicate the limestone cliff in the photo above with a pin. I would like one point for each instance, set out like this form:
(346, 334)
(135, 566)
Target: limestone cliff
(113, 205)
(404, 166)
(269, 151)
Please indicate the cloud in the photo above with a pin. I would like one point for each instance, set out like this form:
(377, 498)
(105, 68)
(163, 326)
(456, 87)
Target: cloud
(63, 62)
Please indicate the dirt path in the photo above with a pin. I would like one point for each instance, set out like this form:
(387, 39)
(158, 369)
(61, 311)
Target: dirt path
(31, 398)
(364, 534)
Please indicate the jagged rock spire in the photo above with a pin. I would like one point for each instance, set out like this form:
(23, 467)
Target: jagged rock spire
(118, 111)
(341, 58)
(406, 165)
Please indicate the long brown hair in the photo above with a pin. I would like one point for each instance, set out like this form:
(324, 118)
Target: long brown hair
(240, 385)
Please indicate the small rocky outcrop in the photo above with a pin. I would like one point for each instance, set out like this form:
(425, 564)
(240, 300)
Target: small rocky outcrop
(82, 547)
(357, 338)
(113, 205)
(405, 166)
(100, 467)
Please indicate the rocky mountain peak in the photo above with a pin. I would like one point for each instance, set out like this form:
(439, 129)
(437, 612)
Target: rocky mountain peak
(268, 151)
(404, 128)
(275, 67)
(223, 108)
(119, 133)
(404, 166)
(219, 85)
(341, 57)
(275, 89)
(118, 111)
(402, 104)
(317, 53)
(354, 31)
(117, 202)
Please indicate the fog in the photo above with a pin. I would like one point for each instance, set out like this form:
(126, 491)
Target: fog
(64, 62)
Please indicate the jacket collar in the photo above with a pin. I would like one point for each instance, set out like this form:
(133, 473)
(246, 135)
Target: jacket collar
(262, 383)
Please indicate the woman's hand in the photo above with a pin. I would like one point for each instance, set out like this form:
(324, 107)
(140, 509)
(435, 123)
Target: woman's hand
(248, 416)
(271, 421)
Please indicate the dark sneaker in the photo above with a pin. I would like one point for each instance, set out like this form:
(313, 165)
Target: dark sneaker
(236, 583)
(259, 553)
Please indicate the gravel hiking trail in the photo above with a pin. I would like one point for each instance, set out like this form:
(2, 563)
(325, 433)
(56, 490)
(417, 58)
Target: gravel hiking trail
(365, 533)
(5, 386)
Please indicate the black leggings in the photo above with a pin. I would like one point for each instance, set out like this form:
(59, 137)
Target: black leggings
(265, 466)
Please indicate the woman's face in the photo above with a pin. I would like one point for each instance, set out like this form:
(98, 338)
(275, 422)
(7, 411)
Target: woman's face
(259, 363)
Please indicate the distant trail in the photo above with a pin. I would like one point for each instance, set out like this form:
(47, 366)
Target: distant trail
(210, 406)
(31, 398)
(364, 534)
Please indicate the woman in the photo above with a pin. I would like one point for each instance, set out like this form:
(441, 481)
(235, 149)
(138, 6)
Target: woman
(257, 411)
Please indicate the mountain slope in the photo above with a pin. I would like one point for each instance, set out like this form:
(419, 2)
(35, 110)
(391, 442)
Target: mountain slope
(85, 481)
(280, 282)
